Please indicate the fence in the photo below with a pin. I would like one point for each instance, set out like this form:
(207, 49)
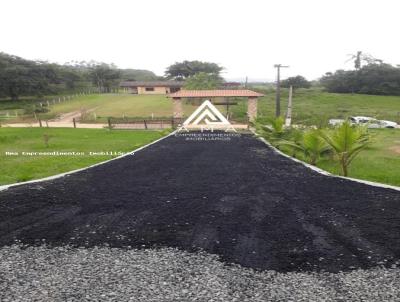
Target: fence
(10, 114)
(47, 102)
(136, 123)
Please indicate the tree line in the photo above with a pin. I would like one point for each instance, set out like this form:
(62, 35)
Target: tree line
(20, 77)
(373, 78)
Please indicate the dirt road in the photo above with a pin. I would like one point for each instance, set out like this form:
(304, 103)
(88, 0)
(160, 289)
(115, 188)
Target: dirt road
(236, 198)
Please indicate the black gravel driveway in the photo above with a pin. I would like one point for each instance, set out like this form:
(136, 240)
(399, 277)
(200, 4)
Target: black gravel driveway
(234, 197)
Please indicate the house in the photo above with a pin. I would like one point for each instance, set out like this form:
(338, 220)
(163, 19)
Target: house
(151, 87)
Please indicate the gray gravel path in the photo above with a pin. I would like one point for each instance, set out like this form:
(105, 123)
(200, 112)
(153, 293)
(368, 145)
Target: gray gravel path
(105, 274)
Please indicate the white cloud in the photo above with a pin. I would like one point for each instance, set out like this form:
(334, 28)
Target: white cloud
(246, 37)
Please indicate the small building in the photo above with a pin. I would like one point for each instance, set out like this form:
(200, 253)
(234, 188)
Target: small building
(252, 99)
(151, 87)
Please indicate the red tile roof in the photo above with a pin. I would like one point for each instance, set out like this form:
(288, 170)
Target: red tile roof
(214, 93)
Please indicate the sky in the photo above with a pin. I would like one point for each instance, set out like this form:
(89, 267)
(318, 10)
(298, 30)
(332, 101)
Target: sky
(246, 37)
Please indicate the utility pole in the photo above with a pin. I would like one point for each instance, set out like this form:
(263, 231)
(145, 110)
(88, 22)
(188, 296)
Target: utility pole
(288, 120)
(278, 89)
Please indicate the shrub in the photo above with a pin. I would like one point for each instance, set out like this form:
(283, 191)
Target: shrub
(347, 142)
(276, 129)
(310, 143)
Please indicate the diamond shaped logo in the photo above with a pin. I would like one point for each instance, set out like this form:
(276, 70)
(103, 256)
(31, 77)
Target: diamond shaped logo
(207, 117)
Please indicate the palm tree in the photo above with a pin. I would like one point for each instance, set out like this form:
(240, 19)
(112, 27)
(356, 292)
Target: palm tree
(277, 128)
(311, 144)
(356, 59)
(360, 57)
(347, 142)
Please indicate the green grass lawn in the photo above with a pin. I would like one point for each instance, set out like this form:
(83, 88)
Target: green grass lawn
(310, 106)
(17, 168)
(118, 105)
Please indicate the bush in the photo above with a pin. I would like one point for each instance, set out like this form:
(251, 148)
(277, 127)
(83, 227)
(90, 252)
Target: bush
(378, 79)
(347, 142)
(310, 143)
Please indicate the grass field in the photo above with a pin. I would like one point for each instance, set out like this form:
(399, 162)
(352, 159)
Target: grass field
(310, 106)
(17, 168)
(117, 105)
(313, 107)
(99, 107)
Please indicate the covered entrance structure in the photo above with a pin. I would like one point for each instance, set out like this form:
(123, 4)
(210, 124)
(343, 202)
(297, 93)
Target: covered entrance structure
(252, 98)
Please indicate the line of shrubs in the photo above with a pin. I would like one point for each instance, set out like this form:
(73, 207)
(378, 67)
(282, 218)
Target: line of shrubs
(343, 142)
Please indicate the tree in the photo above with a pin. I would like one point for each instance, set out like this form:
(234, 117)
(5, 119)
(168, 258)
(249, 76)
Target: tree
(70, 77)
(104, 76)
(360, 57)
(379, 79)
(186, 69)
(203, 81)
(20, 77)
(347, 142)
(297, 82)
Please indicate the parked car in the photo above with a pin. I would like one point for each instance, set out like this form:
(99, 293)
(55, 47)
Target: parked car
(372, 122)
(365, 120)
(382, 124)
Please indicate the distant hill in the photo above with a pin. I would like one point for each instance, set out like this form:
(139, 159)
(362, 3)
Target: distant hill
(138, 75)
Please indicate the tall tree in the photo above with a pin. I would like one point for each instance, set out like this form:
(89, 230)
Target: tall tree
(186, 69)
(203, 81)
(104, 76)
(359, 57)
(20, 77)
